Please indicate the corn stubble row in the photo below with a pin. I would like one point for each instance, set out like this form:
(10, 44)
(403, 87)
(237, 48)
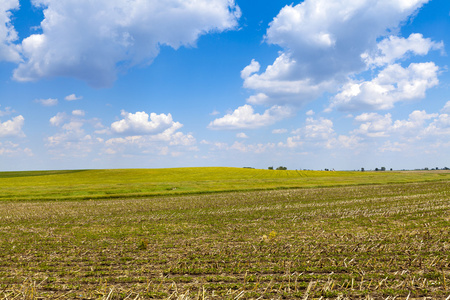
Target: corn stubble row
(365, 242)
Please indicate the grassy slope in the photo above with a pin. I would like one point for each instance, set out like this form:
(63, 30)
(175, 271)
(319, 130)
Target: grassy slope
(102, 184)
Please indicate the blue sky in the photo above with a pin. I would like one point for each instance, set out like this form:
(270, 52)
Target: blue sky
(312, 84)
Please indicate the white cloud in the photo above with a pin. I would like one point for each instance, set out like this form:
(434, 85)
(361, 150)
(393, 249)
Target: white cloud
(277, 85)
(241, 147)
(421, 133)
(389, 146)
(279, 131)
(328, 36)
(139, 123)
(93, 40)
(252, 148)
(73, 97)
(393, 84)
(416, 120)
(140, 134)
(8, 35)
(373, 125)
(149, 134)
(292, 142)
(75, 137)
(348, 142)
(323, 41)
(321, 129)
(6, 112)
(310, 113)
(316, 133)
(377, 126)
(181, 139)
(78, 113)
(253, 67)
(74, 126)
(244, 117)
(11, 149)
(241, 135)
(47, 102)
(446, 108)
(170, 141)
(58, 119)
(439, 127)
(72, 133)
(393, 48)
(12, 127)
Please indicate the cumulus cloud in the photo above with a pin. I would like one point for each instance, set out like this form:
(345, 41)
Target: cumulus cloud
(416, 120)
(47, 102)
(59, 119)
(72, 140)
(393, 48)
(8, 35)
(73, 97)
(71, 132)
(328, 37)
(439, 127)
(393, 84)
(12, 127)
(316, 132)
(170, 141)
(149, 134)
(373, 125)
(94, 40)
(241, 135)
(373, 133)
(142, 123)
(78, 113)
(324, 42)
(276, 85)
(318, 129)
(135, 135)
(75, 136)
(253, 67)
(244, 117)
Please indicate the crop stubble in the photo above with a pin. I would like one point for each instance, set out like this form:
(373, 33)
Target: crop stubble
(355, 242)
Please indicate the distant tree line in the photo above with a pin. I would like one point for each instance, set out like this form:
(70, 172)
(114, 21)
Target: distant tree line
(279, 168)
(362, 169)
(424, 169)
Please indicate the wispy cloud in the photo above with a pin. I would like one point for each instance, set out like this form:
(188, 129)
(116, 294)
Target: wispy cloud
(73, 97)
(47, 102)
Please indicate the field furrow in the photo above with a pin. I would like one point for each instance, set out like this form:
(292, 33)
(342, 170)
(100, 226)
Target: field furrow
(354, 242)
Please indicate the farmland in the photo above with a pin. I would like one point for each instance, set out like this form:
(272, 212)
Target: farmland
(133, 183)
(223, 233)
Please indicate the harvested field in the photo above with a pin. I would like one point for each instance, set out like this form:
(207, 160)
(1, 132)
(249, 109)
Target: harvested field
(350, 242)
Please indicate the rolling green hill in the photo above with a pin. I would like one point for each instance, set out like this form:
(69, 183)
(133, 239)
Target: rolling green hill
(121, 183)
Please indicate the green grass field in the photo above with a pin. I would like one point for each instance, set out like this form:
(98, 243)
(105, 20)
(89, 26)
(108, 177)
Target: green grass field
(224, 233)
(132, 183)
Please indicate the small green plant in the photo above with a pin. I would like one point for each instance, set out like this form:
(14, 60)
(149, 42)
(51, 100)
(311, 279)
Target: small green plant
(143, 245)
(268, 238)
